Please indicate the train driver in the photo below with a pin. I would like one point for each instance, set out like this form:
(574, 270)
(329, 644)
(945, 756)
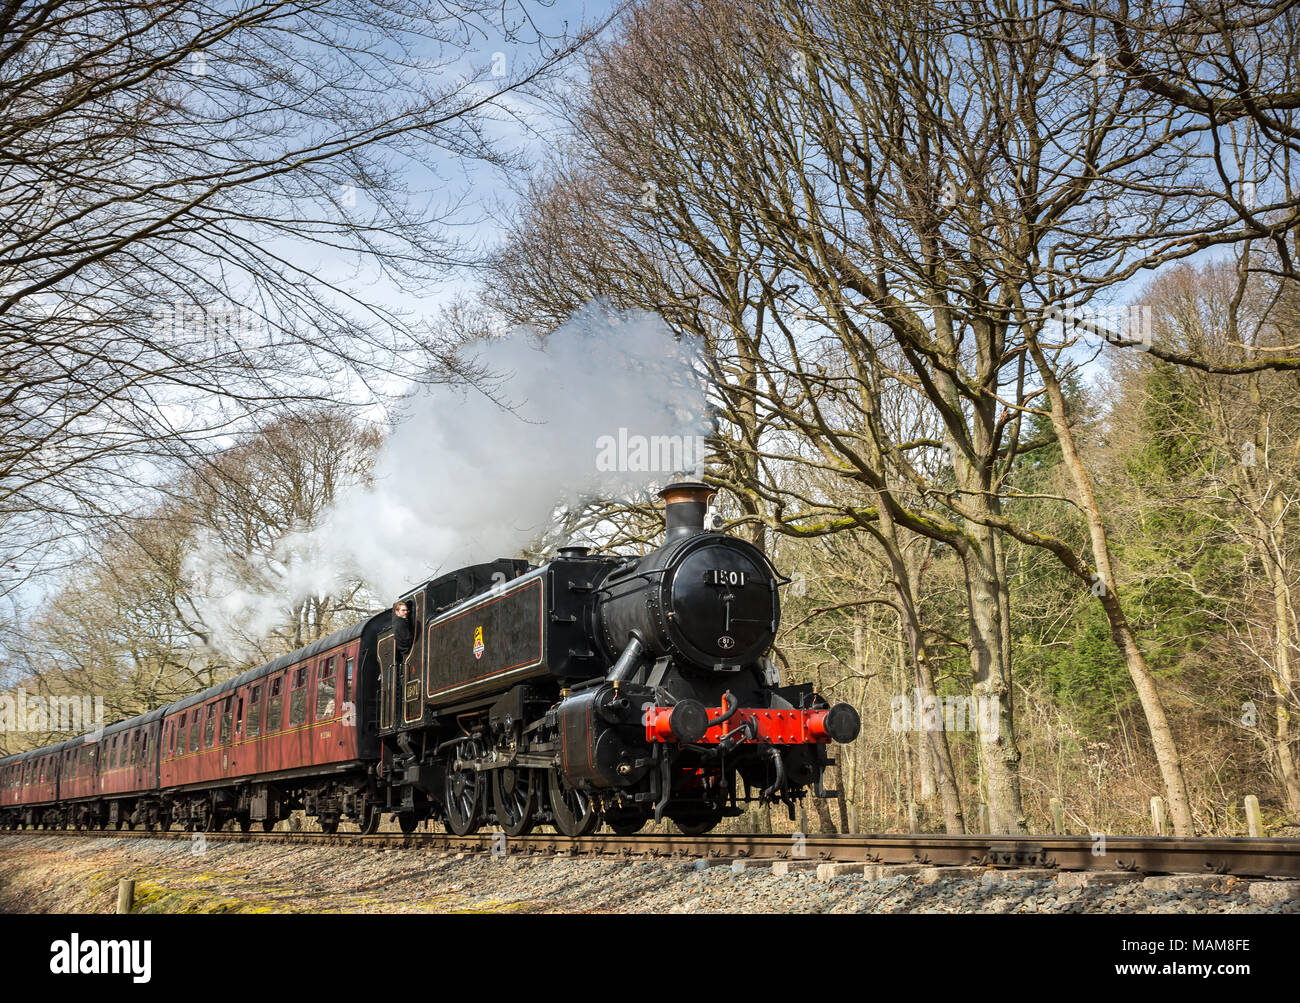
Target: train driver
(403, 631)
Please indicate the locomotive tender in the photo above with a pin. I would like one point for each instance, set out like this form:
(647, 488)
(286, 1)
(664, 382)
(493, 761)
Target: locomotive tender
(593, 688)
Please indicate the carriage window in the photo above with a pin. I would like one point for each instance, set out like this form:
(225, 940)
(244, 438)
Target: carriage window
(181, 733)
(347, 681)
(325, 690)
(274, 717)
(135, 747)
(194, 732)
(210, 726)
(144, 747)
(239, 717)
(298, 698)
(225, 719)
(254, 711)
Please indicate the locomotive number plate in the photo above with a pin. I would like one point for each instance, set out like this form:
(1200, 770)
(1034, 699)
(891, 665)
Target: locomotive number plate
(720, 576)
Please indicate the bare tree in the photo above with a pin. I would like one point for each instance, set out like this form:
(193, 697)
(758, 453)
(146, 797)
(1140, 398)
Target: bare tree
(194, 203)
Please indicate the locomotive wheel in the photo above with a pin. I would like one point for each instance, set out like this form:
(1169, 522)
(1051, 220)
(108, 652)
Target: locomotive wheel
(625, 823)
(514, 796)
(408, 823)
(368, 821)
(572, 811)
(696, 822)
(329, 825)
(245, 823)
(465, 791)
(268, 824)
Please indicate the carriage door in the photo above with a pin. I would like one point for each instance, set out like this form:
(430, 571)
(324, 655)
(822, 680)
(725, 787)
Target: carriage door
(413, 678)
(387, 692)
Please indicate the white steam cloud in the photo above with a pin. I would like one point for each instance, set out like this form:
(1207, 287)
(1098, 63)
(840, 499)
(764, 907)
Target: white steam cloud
(603, 407)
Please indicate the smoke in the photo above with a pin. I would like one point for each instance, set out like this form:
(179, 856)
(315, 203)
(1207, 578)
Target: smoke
(603, 407)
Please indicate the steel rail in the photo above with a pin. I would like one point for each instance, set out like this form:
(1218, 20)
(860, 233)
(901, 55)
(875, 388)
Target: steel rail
(1139, 854)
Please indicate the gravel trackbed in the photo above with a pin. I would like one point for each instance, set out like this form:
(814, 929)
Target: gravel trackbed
(59, 874)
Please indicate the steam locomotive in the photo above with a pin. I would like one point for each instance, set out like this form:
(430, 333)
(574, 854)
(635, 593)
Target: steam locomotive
(593, 688)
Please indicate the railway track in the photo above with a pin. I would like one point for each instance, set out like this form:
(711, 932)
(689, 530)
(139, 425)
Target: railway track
(1276, 858)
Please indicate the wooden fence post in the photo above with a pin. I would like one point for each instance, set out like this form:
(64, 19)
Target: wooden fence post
(983, 815)
(1254, 820)
(1058, 816)
(125, 896)
(1158, 816)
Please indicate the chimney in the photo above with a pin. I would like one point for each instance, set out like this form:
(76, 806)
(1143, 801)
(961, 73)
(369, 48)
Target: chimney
(684, 507)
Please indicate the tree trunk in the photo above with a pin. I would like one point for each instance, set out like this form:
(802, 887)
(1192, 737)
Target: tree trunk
(999, 754)
(1272, 545)
(1162, 736)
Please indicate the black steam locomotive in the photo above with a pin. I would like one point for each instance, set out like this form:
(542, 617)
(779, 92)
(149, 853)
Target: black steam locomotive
(599, 688)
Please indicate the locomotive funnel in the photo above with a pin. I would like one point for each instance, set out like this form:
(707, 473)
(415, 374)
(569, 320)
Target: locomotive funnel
(684, 507)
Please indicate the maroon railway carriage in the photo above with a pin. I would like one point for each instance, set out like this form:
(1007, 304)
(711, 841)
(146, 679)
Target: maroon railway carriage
(298, 732)
(103, 778)
(116, 775)
(294, 733)
(11, 783)
(29, 787)
(10, 774)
